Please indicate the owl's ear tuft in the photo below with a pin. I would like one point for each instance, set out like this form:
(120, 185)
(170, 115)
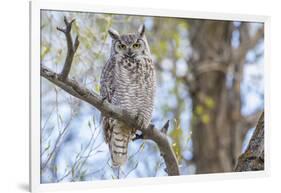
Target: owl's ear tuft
(141, 30)
(113, 33)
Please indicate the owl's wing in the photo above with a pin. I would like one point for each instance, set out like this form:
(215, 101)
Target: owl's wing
(107, 91)
(106, 81)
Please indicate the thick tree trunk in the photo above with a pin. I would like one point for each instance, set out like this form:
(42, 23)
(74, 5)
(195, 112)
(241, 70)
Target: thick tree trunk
(211, 123)
(253, 158)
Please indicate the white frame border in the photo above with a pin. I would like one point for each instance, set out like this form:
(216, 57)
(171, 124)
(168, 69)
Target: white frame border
(34, 145)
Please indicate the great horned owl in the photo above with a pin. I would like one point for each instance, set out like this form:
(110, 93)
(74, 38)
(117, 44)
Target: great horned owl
(128, 81)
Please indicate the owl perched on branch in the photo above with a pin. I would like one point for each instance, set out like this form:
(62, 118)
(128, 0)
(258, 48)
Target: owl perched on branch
(128, 81)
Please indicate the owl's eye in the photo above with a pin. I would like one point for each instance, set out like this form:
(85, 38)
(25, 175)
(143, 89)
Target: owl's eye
(136, 45)
(122, 46)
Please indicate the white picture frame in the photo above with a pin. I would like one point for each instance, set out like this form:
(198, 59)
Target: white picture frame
(36, 6)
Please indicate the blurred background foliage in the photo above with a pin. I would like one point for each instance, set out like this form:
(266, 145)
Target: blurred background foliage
(209, 85)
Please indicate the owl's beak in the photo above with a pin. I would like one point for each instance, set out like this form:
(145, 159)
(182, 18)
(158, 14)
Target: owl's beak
(130, 54)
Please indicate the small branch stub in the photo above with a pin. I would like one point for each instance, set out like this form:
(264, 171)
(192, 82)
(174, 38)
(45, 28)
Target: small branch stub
(165, 127)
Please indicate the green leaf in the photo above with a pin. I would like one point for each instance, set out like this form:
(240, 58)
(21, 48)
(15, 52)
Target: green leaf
(142, 147)
(97, 88)
(45, 51)
(176, 135)
(205, 118)
(48, 147)
(199, 110)
(210, 103)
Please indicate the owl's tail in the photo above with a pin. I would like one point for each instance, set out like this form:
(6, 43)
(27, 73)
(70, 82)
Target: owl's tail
(119, 145)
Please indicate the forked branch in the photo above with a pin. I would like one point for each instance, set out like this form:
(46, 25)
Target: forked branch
(71, 48)
(75, 89)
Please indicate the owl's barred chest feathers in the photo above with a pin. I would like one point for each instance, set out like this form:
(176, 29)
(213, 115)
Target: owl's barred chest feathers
(127, 81)
(134, 85)
(134, 71)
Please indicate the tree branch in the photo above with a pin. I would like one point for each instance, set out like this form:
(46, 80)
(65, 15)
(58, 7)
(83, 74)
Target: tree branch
(75, 89)
(253, 158)
(71, 48)
(247, 42)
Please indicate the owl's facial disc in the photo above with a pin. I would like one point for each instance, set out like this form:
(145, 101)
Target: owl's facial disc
(131, 49)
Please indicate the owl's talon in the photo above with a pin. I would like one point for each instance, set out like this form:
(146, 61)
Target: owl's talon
(103, 99)
(137, 136)
(137, 118)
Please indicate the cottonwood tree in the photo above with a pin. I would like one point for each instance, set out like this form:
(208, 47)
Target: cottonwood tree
(218, 126)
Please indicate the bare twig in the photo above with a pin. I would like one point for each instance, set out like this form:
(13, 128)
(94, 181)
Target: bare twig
(81, 159)
(74, 88)
(57, 142)
(98, 170)
(247, 42)
(135, 167)
(139, 149)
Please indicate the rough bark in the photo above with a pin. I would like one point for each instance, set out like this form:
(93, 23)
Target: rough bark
(75, 89)
(217, 123)
(253, 158)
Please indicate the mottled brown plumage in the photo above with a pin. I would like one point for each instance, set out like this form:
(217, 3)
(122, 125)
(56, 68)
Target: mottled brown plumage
(128, 81)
